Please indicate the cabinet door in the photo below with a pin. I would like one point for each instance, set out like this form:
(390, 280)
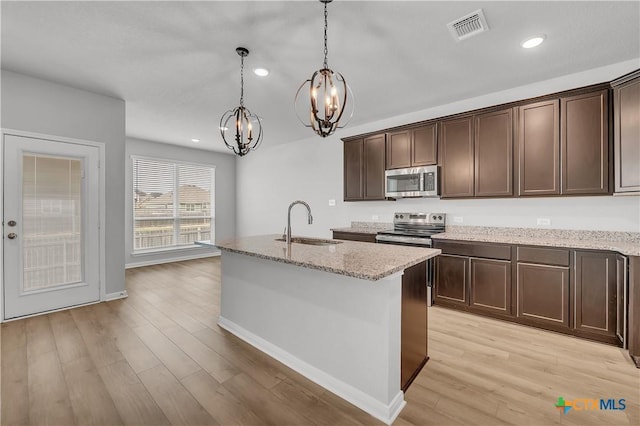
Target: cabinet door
(456, 157)
(584, 141)
(626, 111)
(621, 300)
(374, 162)
(424, 146)
(493, 154)
(399, 149)
(595, 292)
(538, 149)
(452, 276)
(543, 294)
(353, 167)
(491, 285)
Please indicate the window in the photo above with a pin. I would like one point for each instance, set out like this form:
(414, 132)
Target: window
(173, 204)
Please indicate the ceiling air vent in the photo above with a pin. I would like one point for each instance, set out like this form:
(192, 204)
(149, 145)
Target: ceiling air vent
(468, 26)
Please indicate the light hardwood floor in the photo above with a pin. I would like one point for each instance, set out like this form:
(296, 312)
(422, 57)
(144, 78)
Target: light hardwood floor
(159, 358)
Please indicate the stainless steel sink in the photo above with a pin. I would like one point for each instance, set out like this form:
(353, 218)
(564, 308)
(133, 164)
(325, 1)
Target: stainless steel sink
(311, 241)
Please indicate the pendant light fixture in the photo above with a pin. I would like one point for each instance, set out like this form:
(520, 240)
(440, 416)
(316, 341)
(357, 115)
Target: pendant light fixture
(329, 96)
(241, 131)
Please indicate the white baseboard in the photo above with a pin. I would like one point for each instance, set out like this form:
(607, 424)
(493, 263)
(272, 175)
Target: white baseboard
(171, 259)
(114, 296)
(379, 410)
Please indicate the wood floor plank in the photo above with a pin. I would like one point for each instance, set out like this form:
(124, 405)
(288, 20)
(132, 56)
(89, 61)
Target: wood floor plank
(207, 359)
(91, 402)
(49, 402)
(225, 408)
(15, 387)
(177, 404)
(134, 403)
(101, 346)
(14, 335)
(173, 358)
(39, 336)
(69, 341)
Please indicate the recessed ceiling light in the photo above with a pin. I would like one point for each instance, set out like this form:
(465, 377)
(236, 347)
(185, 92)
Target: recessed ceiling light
(533, 41)
(195, 140)
(261, 72)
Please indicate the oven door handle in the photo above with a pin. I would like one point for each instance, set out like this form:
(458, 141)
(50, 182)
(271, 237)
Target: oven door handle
(418, 241)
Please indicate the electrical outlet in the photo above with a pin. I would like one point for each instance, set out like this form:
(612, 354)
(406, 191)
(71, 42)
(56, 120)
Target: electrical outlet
(457, 219)
(375, 217)
(543, 221)
(332, 203)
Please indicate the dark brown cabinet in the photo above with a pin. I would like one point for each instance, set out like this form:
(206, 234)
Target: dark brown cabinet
(452, 276)
(456, 157)
(412, 147)
(413, 330)
(594, 283)
(626, 125)
(538, 158)
(364, 165)
(621, 299)
(584, 143)
(476, 155)
(543, 294)
(494, 154)
(490, 285)
(354, 236)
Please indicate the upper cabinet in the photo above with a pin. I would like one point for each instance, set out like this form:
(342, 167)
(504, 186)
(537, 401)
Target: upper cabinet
(584, 143)
(412, 147)
(456, 157)
(626, 124)
(563, 146)
(538, 159)
(364, 163)
(476, 155)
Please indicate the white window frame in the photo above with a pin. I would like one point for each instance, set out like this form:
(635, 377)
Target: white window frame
(176, 206)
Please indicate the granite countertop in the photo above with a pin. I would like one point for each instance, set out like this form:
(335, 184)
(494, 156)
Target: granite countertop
(626, 243)
(369, 228)
(351, 258)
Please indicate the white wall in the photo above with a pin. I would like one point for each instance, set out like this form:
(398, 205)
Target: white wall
(39, 106)
(311, 169)
(225, 195)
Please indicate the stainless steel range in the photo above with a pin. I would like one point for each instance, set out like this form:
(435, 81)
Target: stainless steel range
(415, 229)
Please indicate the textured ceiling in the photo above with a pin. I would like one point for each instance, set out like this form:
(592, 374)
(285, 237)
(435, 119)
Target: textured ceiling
(174, 63)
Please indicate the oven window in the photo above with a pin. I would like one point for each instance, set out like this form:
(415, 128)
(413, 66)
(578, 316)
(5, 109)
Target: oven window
(403, 183)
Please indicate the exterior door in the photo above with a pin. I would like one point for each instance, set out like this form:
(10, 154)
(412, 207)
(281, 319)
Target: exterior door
(51, 238)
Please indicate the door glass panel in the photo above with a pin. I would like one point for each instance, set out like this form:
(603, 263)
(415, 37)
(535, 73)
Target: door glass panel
(51, 222)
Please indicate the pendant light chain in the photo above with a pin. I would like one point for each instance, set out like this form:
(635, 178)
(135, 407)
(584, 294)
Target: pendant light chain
(326, 50)
(242, 80)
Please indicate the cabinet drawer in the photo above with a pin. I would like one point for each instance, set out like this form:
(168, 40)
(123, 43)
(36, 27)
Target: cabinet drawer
(487, 250)
(354, 236)
(548, 256)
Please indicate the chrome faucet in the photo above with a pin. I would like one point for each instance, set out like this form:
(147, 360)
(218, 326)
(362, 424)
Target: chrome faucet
(289, 217)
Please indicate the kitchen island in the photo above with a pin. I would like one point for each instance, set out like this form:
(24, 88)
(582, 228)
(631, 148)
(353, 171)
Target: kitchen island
(332, 312)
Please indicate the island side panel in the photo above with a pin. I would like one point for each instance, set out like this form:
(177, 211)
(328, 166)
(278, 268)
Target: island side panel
(347, 328)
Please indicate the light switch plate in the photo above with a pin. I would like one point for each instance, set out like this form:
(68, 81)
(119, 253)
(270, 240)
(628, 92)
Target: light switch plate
(458, 219)
(332, 203)
(375, 217)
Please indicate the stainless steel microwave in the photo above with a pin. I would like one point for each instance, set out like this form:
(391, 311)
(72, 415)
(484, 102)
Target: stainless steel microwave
(412, 182)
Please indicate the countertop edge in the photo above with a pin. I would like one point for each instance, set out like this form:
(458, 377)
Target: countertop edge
(333, 270)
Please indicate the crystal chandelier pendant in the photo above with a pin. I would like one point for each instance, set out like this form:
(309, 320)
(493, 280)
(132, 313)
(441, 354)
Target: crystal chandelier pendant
(329, 96)
(241, 130)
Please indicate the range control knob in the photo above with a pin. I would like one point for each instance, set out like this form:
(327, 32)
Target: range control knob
(433, 217)
(397, 216)
(439, 217)
(401, 216)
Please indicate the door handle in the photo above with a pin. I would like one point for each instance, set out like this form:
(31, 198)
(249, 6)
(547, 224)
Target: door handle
(12, 223)
(12, 236)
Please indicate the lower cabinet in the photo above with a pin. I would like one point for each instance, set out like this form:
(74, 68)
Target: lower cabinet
(452, 279)
(543, 294)
(354, 236)
(578, 292)
(594, 284)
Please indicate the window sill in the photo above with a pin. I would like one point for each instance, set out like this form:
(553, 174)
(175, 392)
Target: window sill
(167, 250)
